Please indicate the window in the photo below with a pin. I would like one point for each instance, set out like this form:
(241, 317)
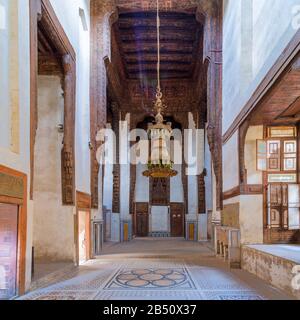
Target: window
(277, 156)
(278, 152)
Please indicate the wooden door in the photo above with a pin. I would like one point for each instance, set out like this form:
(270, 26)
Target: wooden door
(142, 225)
(278, 206)
(177, 220)
(282, 214)
(8, 250)
(142, 220)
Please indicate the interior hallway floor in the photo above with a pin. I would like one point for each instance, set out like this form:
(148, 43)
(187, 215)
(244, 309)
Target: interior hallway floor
(157, 269)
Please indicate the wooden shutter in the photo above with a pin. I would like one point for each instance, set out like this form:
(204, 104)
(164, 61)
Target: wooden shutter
(294, 207)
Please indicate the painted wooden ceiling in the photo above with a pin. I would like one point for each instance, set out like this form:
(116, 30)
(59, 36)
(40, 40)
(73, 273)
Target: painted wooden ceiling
(281, 104)
(181, 44)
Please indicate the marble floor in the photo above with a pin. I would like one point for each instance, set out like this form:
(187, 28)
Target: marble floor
(157, 269)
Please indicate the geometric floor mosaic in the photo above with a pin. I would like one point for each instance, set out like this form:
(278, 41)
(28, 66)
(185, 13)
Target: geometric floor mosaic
(139, 271)
(151, 279)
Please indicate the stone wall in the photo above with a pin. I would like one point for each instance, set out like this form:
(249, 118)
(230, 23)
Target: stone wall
(274, 270)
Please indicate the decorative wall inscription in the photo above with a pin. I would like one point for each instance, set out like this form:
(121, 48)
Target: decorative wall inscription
(11, 186)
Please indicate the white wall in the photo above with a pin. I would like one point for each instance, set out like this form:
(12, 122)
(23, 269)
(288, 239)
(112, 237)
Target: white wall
(231, 163)
(68, 15)
(4, 66)
(142, 187)
(270, 33)
(176, 186)
(251, 218)
(124, 169)
(254, 133)
(18, 161)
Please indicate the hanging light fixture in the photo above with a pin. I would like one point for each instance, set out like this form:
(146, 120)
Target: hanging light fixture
(160, 164)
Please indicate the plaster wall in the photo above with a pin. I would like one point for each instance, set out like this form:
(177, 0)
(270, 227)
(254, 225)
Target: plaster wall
(14, 81)
(251, 217)
(176, 186)
(108, 187)
(124, 169)
(53, 229)
(253, 175)
(142, 188)
(231, 163)
(4, 75)
(160, 219)
(266, 34)
(71, 21)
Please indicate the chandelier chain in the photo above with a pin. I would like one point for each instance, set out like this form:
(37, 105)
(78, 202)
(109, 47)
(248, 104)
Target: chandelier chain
(158, 49)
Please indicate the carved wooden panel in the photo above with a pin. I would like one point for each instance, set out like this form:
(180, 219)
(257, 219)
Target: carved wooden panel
(201, 194)
(68, 182)
(11, 186)
(83, 200)
(160, 192)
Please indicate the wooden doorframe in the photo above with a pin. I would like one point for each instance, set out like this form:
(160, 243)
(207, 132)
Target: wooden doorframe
(42, 13)
(20, 179)
(83, 204)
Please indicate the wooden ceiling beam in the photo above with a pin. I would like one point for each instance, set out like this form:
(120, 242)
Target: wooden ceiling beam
(164, 68)
(152, 36)
(153, 41)
(184, 59)
(152, 15)
(137, 52)
(166, 29)
(143, 23)
(154, 61)
(163, 47)
(43, 42)
(162, 71)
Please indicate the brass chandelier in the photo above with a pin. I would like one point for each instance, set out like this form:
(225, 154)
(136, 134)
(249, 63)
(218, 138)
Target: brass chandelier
(160, 164)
